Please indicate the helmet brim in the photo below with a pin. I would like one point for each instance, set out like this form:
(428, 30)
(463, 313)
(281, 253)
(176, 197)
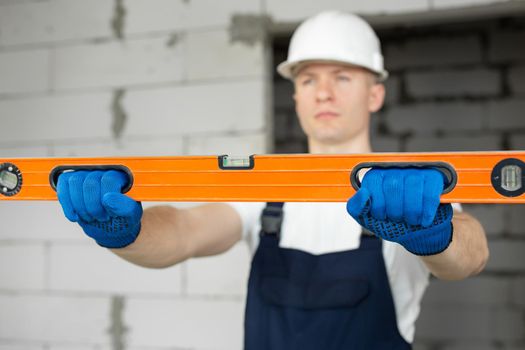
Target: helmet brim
(288, 69)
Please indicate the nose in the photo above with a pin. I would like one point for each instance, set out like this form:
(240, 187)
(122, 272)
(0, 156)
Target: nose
(324, 91)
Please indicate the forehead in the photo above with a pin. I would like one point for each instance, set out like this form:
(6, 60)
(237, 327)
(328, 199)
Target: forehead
(325, 67)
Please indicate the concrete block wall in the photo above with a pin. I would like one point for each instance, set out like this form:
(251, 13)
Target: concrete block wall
(453, 87)
(175, 77)
(108, 78)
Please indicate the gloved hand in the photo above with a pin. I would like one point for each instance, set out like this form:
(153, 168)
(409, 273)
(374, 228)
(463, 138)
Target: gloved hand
(402, 205)
(94, 200)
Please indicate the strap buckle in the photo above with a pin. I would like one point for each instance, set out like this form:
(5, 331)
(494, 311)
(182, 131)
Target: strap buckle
(272, 219)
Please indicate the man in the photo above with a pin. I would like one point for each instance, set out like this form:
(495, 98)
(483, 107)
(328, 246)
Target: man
(318, 280)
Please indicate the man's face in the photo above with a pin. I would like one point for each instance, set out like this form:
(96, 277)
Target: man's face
(334, 101)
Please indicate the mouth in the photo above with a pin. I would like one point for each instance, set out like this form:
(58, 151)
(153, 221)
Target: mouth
(326, 115)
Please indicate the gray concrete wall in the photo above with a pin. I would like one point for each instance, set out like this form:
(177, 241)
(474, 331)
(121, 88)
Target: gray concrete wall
(180, 77)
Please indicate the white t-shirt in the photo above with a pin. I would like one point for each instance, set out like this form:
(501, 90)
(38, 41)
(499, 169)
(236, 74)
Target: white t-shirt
(320, 228)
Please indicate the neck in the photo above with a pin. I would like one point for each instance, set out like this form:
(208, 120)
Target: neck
(360, 144)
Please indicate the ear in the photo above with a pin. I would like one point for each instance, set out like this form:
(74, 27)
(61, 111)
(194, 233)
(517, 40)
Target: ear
(376, 97)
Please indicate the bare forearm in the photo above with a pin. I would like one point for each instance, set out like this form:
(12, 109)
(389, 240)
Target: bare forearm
(466, 255)
(158, 244)
(169, 235)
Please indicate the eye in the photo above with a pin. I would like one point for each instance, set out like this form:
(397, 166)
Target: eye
(307, 81)
(342, 77)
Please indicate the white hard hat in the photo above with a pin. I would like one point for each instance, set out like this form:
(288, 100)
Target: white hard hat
(334, 36)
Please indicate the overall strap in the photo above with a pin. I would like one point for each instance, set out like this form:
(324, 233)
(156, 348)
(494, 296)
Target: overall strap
(272, 219)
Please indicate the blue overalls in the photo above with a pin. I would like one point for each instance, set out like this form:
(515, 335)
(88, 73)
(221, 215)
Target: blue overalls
(334, 301)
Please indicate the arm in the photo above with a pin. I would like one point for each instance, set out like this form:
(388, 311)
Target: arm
(157, 237)
(467, 253)
(403, 206)
(170, 235)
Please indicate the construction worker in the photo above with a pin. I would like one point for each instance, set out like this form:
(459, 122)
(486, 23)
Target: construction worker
(320, 278)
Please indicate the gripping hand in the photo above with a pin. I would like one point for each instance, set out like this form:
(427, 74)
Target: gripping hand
(94, 200)
(402, 206)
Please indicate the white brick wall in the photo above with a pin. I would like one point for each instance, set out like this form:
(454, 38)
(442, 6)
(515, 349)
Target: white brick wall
(117, 64)
(10, 346)
(24, 71)
(127, 146)
(235, 106)
(182, 323)
(54, 21)
(22, 266)
(8, 2)
(24, 151)
(56, 117)
(296, 10)
(233, 145)
(54, 318)
(145, 16)
(187, 89)
(88, 268)
(73, 347)
(36, 221)
(212, 55)
(218, 107)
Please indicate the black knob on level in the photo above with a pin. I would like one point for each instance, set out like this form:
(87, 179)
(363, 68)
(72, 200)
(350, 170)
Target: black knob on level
(10, 179)
(508, 177)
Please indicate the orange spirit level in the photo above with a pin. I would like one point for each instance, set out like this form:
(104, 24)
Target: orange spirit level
(472, 177)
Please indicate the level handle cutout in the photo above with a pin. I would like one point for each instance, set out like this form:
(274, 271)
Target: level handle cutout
(59, 170)
(446, 169)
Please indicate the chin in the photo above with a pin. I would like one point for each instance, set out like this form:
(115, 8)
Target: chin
(329, 139)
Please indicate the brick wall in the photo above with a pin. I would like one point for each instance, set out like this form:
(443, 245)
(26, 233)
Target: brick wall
(104, 78)
(176, 77)
(453, 87)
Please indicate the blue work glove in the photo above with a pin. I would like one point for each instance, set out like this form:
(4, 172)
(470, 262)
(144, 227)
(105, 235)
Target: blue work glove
(94, 200)
(402, 206)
